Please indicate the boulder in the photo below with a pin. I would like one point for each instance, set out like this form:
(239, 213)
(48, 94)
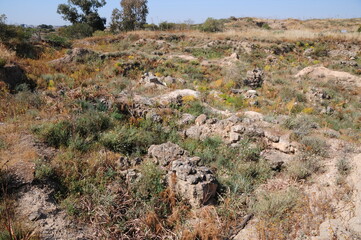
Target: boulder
(176, 95)
(196, 184)
(322, 73)
(166, 153)
(186, 119)
(254, 78)
(201, 119)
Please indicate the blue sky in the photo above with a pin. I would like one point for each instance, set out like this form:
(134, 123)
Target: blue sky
(36, 12)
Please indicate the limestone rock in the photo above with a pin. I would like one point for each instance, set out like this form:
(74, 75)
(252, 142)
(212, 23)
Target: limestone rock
(322, 73)
(201, 119)
(195, 184)
(170, 97)
(186, 119)
(254, 78)
(166, 153)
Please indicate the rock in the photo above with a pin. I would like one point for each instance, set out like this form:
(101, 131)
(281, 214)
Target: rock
(284, 145)
(254, 78)
(238, 129)
(253, 116)
(234, 137)
(166, 153)
(308, 52)
(271, 137)
(322, 73)
(168, 98)
(149, 80)
(78, 55)
(195, 184)
(251, 94)
(201, 119)
(334, 229)
(186, 119)
(193, 132)
(154, 117)
(342, 53)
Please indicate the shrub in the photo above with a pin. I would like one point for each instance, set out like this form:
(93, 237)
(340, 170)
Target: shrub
(150, 184)
(212, 25)
(43, 170)
(57, 41)
(343, 166)
(314, 145)
(91, 123)
(164, 26)
(2, 62)
(276, 205)
(304, 167)
(359, 29)
(55, 134)
(76, 31)
(301, 124)
(2, 143)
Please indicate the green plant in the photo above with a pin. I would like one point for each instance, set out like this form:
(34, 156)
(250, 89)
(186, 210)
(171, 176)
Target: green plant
(57, 41)
(301, 125)
(343, 166)
(55, 134)
(276, 205)
(303, 167)
(314, 145)
(212, 25)
(151, 183)
(43, 170)
(2, 143)
(76, 31)
(2, 62)
(359, 29)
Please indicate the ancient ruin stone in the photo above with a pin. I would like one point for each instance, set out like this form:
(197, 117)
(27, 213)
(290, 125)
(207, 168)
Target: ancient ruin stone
(254, 78)
(196, 184)
(166, 153)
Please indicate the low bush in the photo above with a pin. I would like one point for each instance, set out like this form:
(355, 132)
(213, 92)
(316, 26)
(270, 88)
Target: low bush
(276, 205)
(76, 31)
(343, 166)
(212, 25)
(303, 167)
(55, 134)
(301, 125)
(315, 146)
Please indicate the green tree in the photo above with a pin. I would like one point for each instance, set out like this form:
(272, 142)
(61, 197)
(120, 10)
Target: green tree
(133, 15)
(83, 11)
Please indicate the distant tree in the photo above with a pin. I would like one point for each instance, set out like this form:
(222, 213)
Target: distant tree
(83, 11)
(133, 15)
(3, 18)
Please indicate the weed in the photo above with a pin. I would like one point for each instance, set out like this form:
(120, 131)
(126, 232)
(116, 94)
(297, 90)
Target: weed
(55, 134)
(343, 166)
(275, 205)
(301, 125)
(303, 167)
(315, 146)
(43, 170)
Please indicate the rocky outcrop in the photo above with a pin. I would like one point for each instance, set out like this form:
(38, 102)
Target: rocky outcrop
(196, 184)
(167, 153)
(322, 73)
(175, 96)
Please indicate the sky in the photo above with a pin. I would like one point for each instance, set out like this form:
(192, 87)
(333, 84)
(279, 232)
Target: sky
(36, 12)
